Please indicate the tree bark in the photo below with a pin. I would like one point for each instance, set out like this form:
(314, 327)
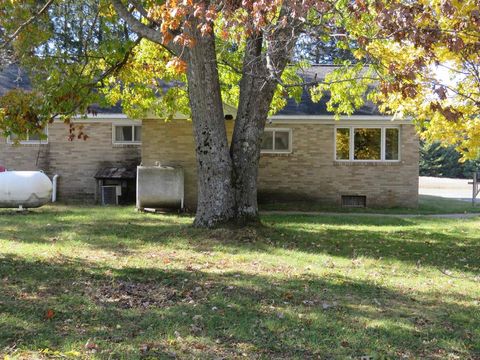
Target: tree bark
(227, 181)
(256, 93)
(260, 73)
(215, 203)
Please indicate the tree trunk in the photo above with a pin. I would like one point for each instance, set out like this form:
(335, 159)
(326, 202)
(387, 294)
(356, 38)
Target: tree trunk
(257, 89)
(256, 93)
(215, 204)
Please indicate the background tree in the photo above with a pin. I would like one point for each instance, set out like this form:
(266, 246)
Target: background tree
(418, 59)
(440, 161)
(182, 43)
(238, 52)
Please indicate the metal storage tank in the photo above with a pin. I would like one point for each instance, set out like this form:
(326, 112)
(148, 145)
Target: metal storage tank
(28, 189)
(160, 187)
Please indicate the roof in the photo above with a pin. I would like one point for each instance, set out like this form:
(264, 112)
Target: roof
(120, 173)
(12, 77)
(308, 107)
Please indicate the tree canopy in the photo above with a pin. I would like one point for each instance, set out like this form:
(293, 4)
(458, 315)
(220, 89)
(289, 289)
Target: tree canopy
(422, 56)
(417, 59)
(422, 60)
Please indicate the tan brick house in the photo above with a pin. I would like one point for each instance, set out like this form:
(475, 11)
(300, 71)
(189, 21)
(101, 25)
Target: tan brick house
(304, 161)
(114, 141)
(78, 161)
(366, 159)
(363, 160)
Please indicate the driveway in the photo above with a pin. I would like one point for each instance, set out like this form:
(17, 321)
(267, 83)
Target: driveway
(447, 188)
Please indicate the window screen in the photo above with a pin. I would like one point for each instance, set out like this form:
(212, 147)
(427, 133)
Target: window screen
(123, 133)
(128, 133)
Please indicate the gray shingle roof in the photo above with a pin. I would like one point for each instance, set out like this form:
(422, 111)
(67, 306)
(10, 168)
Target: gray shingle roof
(308, 107)
(12, 77)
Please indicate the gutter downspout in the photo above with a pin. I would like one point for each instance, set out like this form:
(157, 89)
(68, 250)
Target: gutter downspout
(54, 189)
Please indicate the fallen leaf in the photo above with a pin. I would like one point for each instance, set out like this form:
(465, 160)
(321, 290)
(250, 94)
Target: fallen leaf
(50, 314)
(91, 346)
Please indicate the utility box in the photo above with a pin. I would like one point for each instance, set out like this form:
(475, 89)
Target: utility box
(116, 185)
(160, 187)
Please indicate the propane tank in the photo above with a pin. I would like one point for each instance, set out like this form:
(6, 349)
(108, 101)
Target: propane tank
(28, 189)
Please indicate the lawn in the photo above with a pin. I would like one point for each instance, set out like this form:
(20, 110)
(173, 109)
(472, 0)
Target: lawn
(110, 283)
(426, 205)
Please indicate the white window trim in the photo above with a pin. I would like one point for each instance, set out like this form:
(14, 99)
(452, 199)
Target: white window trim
(290, 141)
(30, 142)
(382, 143)
(131, 124)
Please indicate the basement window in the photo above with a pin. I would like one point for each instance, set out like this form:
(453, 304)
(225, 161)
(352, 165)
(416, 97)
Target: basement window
(276, 141)
(367, 143)
(30, 138)
(354, 201)
(127, 134)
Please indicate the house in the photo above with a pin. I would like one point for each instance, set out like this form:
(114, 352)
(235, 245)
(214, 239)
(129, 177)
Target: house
(362, 160)
(114, 142)
(366, 159)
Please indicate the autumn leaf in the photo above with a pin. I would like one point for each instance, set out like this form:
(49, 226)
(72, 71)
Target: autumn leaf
(177, 65)
(91, 346)
(49, 314)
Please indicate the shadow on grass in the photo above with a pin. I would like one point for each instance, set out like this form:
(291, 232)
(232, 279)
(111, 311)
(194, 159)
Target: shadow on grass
(350, 237)
(131, 313)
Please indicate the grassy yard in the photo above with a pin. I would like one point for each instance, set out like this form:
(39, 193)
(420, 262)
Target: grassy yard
(427, 205)
(110, 283)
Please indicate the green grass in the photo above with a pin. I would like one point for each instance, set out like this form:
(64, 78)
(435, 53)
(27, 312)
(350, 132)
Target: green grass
(427, 205)
(135, 285)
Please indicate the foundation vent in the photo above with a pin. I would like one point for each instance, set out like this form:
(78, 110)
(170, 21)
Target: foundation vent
(357, 201)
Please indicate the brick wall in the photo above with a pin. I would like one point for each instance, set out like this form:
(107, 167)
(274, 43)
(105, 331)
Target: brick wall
(309, 172)
(75, 161)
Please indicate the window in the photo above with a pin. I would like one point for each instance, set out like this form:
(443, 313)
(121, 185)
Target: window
(30, 138)
(127, 134)
(367, 144)
(354, 201)
(391, 144)
(343, 144)
(277, 141)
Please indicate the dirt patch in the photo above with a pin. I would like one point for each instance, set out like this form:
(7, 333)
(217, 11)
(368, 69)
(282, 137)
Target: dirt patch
(139, 295)
(127, 295)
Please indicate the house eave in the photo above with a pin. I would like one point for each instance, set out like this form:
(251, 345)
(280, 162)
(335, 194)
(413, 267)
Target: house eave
(329, 119)
(100, 118)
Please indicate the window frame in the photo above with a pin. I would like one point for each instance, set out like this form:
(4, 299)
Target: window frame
(132, 125)
(351, 143)
(273, 151)
(30, 142)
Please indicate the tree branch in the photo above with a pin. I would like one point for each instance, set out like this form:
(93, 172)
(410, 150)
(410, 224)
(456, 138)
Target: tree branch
(137, 26)
(118, 65)
(136, 4)
(22, 26)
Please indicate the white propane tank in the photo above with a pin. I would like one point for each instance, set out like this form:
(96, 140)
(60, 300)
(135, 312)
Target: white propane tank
(28, 189)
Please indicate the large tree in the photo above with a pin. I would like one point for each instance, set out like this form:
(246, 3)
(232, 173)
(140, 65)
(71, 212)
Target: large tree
(251, 41)
(238, 52)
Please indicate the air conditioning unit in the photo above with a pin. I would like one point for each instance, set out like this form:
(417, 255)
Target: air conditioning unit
(110, 194)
